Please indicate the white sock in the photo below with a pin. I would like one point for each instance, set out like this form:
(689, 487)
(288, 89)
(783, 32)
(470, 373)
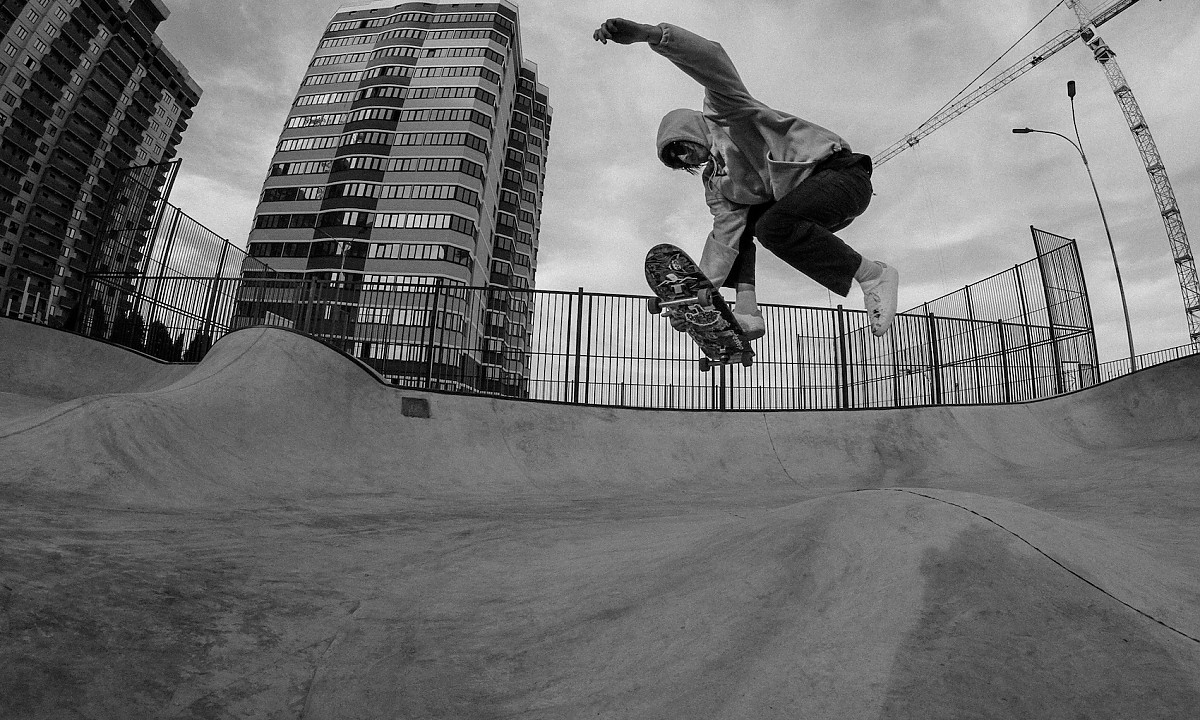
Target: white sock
(746, 303)
(868, 270)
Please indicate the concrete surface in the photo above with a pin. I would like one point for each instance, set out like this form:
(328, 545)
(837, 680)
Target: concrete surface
(274, 534)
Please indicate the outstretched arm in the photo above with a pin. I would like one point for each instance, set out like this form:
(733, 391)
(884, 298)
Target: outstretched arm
(627, 32)
(704, 60)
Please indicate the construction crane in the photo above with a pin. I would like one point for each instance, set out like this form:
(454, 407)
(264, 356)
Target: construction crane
(1181, 249)
(1168, 206)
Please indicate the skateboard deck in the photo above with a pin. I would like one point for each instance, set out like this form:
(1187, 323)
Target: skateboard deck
(686, 296)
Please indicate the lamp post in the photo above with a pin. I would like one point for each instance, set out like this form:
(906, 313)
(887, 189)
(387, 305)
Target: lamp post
(341, 286)
(344, 246)
(1077, 143)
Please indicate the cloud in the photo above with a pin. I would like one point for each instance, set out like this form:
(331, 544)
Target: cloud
(952, 211)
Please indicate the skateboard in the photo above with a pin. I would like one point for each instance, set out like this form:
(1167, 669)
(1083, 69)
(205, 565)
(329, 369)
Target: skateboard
(685, 295)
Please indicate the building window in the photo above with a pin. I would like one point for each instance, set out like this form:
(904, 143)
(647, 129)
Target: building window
(293, 194)
(417, 251)
(320, 142)
(21, 32)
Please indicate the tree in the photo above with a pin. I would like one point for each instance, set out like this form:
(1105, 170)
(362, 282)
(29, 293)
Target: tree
(129, 329)
(99, 325)
(159, 342)
(198, 348)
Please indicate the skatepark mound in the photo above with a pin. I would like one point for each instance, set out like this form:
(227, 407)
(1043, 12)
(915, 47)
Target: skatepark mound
(271, 415)
(277, 532)
(887, 604)
(54, 365)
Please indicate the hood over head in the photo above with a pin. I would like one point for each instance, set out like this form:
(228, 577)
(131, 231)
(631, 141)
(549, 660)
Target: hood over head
(683, 124)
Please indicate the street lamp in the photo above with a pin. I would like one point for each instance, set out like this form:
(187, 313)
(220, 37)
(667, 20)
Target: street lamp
(1077, 143)
(341, 285)
(344, 246)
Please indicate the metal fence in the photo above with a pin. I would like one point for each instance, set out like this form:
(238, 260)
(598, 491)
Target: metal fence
(176, 262)
(1019, 335)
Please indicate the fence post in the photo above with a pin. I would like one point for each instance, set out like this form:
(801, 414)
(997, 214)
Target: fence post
(1050, 313)
(935, 359)
(578, 343)
(723, 389)
(437, 291)
(1004, 362)
(171, 234)
(843, 370)
(974, 345)
(312, 304)
(1033, 393)
(211, 306)
(587, 353)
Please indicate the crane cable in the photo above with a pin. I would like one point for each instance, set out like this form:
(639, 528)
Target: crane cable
(997, 60)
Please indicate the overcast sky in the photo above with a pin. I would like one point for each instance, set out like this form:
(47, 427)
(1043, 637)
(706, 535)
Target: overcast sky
(955, 209)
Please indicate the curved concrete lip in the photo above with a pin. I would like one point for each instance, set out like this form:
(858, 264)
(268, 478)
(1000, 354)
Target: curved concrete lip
(274, 532)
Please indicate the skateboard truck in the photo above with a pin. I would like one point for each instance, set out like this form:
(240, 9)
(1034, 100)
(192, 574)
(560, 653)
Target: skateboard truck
(657, 305)
(695, 307)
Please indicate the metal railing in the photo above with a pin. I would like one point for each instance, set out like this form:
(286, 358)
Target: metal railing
(605, 349)
(1019, 335)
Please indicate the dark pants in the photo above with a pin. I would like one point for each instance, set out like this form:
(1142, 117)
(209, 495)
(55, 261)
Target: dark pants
(799, 227)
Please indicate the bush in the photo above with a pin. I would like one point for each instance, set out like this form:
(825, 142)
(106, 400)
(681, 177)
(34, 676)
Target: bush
(198, 348)
(159, 342)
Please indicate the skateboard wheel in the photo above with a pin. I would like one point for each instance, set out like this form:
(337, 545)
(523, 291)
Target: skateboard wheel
(705, 365)
(653, 306)
(704, 296)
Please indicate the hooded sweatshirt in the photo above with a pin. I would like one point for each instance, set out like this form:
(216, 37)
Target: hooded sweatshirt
(758, 154)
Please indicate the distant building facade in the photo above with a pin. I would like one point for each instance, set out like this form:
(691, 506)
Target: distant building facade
(88, 93)
(415, 154)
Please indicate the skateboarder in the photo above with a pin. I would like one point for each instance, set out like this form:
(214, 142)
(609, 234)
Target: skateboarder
(767, 175)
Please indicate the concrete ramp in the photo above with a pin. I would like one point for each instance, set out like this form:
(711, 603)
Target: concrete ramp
(275, 533)
(52, 365)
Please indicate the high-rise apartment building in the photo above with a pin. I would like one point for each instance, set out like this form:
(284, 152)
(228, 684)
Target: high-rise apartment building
(415, 154)
(88, 91)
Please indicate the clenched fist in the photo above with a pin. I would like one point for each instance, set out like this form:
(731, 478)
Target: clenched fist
(627, 32)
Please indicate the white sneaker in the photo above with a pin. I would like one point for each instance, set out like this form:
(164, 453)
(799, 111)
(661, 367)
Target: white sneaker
(753, 325)
(879, 297)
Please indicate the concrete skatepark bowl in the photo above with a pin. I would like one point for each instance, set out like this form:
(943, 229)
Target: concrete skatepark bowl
(274, 533)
